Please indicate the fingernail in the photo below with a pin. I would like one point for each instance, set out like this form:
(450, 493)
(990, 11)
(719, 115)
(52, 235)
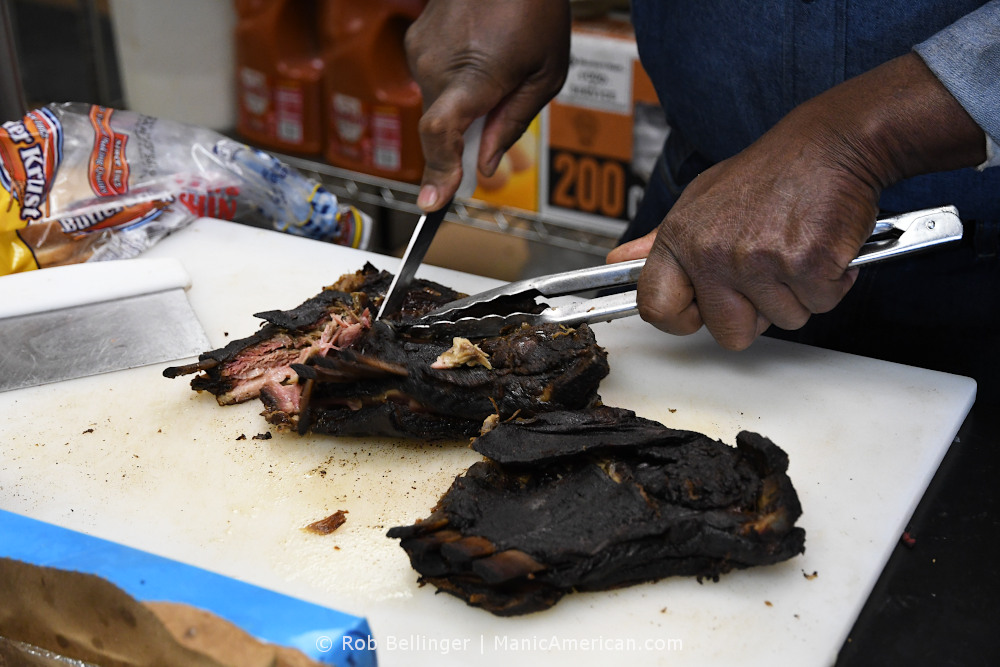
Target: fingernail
(427, 198)
(493, 163)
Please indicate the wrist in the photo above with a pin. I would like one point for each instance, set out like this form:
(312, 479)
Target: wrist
(898, 121)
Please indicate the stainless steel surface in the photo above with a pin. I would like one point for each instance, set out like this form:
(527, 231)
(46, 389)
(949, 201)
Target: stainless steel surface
(95, 39)
(421, 240)
(451, 319)
(12, 105)
(893, 237)
(96, 338)
(34, 655)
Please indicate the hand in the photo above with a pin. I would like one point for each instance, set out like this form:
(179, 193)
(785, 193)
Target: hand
(767, 235)
(503, 59)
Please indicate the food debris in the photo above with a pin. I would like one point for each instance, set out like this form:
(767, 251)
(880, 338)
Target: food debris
(489, 424)
(329, 524)
(263, 436)
(909, 540)
(89, 430)
(812, 576)
(768, 603)
(463, 352)
(241, 436)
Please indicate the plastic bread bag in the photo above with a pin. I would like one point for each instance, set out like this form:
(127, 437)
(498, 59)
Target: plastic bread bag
(88, 183)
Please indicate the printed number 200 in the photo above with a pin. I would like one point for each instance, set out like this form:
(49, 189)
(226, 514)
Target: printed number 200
(588, 185)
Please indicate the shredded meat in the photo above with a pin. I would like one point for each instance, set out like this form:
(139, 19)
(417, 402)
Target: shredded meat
(463, 352)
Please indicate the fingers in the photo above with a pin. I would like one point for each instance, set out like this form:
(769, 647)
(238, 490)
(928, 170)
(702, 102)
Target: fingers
(635, 249)
(823, 295)
(736, 299)
(442, 136)
(669, 300)
(736, 320)
(444, 123)
(666, 296)
(503, 61)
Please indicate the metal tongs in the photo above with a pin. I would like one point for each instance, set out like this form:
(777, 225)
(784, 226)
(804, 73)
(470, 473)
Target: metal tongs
(470, 316)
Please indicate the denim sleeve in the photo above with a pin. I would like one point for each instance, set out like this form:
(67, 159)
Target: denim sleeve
(965, 56)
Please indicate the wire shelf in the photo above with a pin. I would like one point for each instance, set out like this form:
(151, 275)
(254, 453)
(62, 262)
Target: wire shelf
(592, 238)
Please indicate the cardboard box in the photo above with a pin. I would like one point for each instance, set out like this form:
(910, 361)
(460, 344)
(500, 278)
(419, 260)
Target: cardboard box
(516, 182)
(602, 134)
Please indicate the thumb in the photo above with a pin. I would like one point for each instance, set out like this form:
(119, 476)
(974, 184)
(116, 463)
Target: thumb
(634, 249)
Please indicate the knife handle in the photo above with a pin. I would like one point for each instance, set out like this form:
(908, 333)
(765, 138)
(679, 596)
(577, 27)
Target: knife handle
(470, 158)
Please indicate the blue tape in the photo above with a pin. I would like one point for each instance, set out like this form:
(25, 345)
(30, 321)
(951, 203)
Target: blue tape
(325, 635)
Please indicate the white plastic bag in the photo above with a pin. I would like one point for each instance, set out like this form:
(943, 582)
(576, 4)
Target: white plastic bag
(88, 183)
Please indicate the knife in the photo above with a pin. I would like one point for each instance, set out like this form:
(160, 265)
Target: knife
(428, 225)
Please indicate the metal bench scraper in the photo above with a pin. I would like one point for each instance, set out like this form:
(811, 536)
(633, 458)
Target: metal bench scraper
(79, 320)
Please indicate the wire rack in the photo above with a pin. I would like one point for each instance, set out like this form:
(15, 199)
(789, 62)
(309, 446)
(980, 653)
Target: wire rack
(588, 237)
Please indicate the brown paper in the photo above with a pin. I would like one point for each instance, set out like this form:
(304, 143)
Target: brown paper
(206, 633)
(84, 617)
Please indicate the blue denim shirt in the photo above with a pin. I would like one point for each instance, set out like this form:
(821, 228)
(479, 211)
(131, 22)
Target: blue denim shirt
(727, 70)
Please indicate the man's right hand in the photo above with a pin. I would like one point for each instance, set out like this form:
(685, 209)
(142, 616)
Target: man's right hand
(503, 59)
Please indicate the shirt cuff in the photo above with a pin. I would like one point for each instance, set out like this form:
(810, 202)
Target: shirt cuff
(992, 155)
(965, 57)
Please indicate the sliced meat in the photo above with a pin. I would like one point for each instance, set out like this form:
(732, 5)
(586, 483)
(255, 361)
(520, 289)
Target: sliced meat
(326, 367)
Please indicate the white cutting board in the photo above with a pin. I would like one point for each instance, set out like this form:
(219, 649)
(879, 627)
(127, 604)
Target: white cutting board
(143, 460)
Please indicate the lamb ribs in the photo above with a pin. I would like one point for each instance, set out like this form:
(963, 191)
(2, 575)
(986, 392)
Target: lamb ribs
(326, 367)
(597, 499)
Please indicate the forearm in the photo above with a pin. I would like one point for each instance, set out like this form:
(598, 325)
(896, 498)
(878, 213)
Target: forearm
(893, 122)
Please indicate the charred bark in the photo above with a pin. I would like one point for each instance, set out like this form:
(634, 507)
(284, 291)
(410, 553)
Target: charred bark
(326, 367)
(600, 499)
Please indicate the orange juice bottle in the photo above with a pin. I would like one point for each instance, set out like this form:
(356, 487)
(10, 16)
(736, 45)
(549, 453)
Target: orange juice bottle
(279, 74)
(372, 106)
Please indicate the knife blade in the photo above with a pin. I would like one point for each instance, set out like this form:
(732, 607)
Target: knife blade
(429, 223)
(68, 322)
(424, 233)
